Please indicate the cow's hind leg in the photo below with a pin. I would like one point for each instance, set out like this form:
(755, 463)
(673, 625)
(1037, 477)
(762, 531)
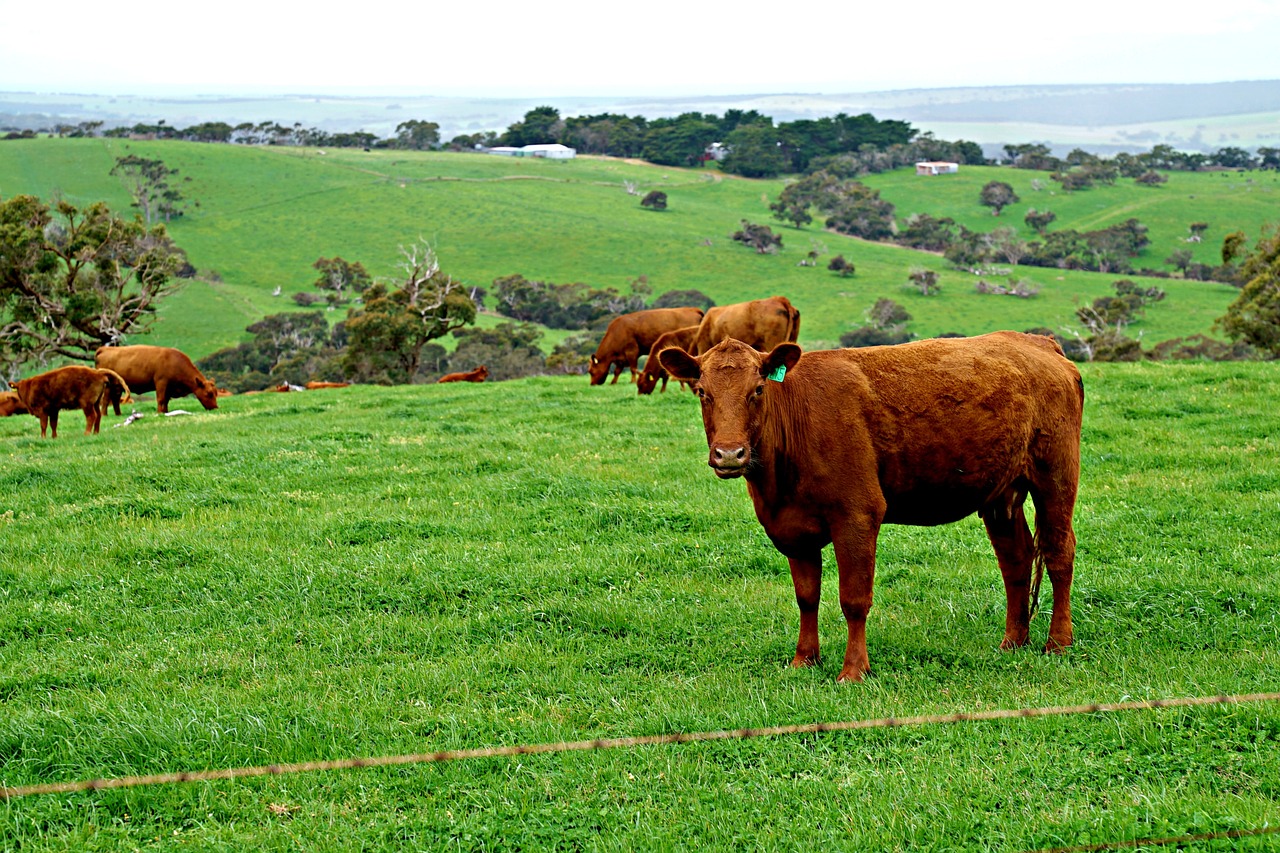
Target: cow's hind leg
(1056, 541)
(1015, 550)
(806, 576)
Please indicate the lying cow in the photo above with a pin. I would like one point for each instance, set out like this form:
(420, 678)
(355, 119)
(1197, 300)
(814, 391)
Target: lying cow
(653, 368)
(631, 335)
(760, 323)
(833, 444)
(165, 370)
(74, 387)
(478, 374)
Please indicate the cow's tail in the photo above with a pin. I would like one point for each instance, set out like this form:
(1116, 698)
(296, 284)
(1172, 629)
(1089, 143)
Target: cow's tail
(1037, 575)
(117, 388)
(793, 322)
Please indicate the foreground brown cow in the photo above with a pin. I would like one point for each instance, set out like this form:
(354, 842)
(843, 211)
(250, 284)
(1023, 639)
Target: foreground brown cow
(165, 370)
(761, 323)
(73, 387)
(921, 433)
(632, 334)
(653, 371)
(478, 374)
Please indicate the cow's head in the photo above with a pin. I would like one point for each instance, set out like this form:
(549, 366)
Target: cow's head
(206, 392)
(730, 380)
(599, 370)
(650, 376)
(482, 372)
(11, 404)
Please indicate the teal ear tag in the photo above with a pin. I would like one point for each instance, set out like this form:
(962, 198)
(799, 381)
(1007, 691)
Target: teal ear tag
(778, 373)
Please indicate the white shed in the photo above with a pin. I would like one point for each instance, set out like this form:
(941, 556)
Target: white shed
(552, 151)
(936, 167)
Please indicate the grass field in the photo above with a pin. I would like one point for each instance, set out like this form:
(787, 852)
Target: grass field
(375, 571)
(266, 214)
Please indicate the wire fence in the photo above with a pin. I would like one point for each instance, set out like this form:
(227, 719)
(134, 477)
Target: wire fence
(10, 793)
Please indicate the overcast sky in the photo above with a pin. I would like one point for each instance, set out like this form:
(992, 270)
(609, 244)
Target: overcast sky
(574, 47)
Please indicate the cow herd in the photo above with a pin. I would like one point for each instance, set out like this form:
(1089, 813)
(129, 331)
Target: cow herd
(118, 371)
(831, 444)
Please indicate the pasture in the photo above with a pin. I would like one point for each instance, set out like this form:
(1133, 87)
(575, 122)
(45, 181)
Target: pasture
(371, 571)
(266, 215)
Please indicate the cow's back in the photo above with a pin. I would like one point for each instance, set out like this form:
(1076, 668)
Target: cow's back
(760, 323)
(943, 425)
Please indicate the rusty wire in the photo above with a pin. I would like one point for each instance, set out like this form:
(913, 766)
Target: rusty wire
(10, 793)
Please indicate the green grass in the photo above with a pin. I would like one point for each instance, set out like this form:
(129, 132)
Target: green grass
(266, 214)
(375, 571)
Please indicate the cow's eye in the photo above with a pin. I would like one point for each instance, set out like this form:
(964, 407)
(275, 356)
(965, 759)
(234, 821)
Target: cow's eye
(759, 390)
(702, 395)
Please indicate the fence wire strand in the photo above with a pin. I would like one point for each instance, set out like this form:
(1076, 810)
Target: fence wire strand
(15, 792)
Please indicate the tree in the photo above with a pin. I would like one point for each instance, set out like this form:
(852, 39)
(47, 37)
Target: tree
(684, 298)
(1006, 243)
(1151, 178)
(759, 237)
(840, 265)
(655, 200)
(509, 350)
(417, 135)
(1254, 316)
(1039, 220)
(885, 323)
(148, 182)
(386, 337)
(1180, 260)
(755, 151)
(858, 210)
(1197, 230)
(72, 280)
(540, 125)
(1233, 246)
(997, 195)
(341, 279)
(926, 281)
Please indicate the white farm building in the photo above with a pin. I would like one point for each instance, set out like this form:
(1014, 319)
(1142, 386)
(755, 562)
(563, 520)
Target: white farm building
(937, 167)
(551, 151)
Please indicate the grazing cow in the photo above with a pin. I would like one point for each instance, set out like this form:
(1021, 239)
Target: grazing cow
(315, 385)
(165, 370)
(74, 387)
(833, 444)
(653, 368)
(11, 404)
(761, 323)
(478, 374)
(633, 334)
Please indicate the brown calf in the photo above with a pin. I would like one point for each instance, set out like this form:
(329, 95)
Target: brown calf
(653, 368)
(73, 387)
(834, 444)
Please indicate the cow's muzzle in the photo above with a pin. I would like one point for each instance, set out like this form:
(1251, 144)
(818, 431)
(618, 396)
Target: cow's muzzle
(729, 462)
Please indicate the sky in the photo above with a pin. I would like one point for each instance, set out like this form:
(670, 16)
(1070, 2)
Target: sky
(653, 47)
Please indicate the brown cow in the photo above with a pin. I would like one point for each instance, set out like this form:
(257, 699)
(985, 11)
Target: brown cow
(631, 335)
(653, 368)
(11, 404)
(74, 387)
(167, 371)
(478, 374)
(316, 385)
(761, 323)
(923, 433)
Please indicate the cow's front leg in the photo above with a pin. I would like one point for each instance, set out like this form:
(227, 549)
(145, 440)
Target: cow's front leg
(806, 576)
(856, 561)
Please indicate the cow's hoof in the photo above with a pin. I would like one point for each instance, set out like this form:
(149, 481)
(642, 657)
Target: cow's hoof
(800, 661)
(851, 675)
(1056, 647)
(1008, 644)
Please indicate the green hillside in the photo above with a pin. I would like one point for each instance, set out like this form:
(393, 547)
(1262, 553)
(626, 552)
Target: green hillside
(266, 214)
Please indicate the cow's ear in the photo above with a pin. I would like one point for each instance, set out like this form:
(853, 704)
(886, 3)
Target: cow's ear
(784, 356)
(682, 366)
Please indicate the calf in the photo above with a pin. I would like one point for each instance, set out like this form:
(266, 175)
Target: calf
(73, 387)
(834, 444)
(653, 371)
